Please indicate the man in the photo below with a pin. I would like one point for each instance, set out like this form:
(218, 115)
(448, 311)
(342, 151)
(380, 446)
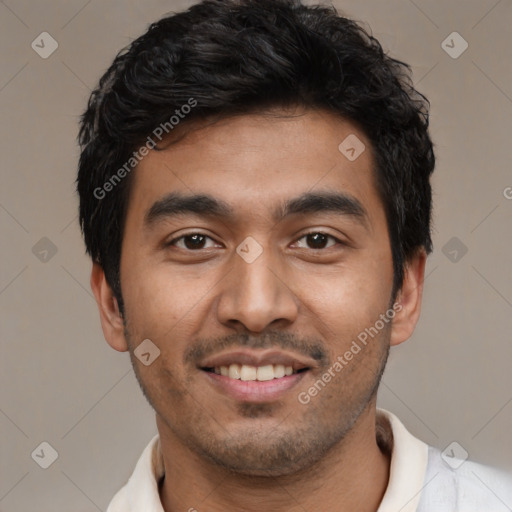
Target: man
(254, 194)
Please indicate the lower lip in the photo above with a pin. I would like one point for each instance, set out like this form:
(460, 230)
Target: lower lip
(253, 390)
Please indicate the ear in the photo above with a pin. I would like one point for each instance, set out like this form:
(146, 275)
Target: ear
(408, 300)
(111, 319)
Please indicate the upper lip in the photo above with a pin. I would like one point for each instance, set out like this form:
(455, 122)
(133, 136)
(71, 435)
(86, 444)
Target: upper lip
(257, 358)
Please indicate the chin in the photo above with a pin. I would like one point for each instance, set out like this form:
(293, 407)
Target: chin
(266, 458)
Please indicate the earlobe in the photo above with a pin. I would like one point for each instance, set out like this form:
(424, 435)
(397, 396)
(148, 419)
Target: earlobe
(112, 322)
(409, 298)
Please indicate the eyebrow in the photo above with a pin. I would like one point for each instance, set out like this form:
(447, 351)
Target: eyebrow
(177, 204)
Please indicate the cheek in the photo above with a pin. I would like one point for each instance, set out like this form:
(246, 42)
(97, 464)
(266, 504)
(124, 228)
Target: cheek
(151, 304)
(346, 302)
(166, 305)
(356, 291)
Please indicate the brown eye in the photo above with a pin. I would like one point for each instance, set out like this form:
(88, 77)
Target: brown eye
(191, 241)
(318, 240)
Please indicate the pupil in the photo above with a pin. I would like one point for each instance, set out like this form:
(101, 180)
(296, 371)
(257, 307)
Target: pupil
(317, 238)
(194, 245)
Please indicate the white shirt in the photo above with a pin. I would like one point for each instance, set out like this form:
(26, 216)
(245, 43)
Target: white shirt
(420, 479)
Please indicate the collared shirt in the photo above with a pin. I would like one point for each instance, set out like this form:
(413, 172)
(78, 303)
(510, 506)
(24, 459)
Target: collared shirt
(421, 478)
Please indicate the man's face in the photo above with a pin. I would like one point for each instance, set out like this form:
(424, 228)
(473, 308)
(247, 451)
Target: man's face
(251, 288)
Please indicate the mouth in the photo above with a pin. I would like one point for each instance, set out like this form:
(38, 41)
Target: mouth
(250, 376)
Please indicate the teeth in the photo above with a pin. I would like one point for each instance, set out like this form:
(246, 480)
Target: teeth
(247, 372)
(278, 371)
(234, 371)
(265, 372)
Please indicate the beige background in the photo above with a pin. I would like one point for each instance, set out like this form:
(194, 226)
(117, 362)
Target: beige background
(61, 383)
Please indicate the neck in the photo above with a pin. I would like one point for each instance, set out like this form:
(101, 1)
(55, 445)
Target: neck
(352, 476)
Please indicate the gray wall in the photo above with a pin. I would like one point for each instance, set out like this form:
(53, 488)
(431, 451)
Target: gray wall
(61, 383)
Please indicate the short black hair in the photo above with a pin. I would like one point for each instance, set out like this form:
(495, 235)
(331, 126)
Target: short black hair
(230, 57)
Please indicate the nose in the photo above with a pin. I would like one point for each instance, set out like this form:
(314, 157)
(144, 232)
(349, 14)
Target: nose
(256, 295)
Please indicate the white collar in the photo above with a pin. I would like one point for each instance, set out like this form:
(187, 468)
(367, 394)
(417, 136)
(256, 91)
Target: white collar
(409, 457)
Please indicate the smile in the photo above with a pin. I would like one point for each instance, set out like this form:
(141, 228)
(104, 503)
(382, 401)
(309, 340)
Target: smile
(255, 376)
(247, 372)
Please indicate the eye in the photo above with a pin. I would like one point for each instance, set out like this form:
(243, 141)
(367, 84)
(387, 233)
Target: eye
(191, 241)
(318, 240)
(196, 241)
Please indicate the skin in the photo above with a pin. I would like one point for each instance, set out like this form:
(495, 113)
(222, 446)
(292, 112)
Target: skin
(223, 454)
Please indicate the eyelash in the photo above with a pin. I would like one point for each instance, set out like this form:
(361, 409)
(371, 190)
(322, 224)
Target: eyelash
(172, 242)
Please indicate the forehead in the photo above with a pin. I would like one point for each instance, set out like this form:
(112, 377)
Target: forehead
(252, 162)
